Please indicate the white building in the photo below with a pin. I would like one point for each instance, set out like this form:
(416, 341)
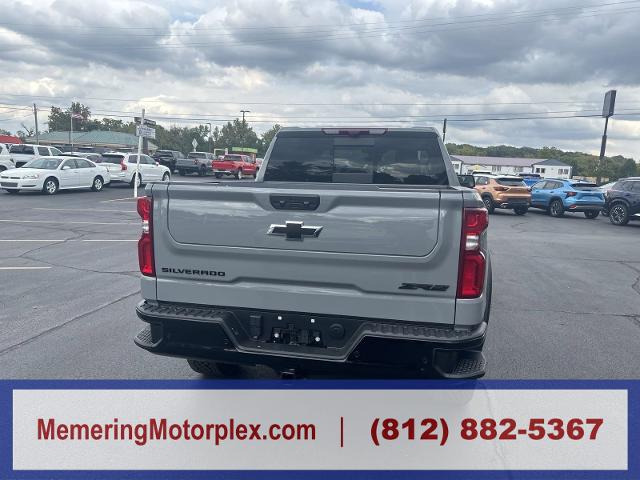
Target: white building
(546, 168)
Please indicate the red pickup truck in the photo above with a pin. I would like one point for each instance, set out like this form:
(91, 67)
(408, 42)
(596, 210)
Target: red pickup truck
(240, 166)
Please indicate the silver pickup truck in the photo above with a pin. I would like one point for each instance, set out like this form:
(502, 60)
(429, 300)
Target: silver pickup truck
(355, 251)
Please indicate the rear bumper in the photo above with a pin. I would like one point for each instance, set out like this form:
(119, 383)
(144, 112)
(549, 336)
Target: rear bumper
(512, 202)
(191, 168)
(310, 342)
(584, 207)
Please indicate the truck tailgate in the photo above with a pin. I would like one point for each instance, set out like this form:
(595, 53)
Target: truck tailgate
(361, 251)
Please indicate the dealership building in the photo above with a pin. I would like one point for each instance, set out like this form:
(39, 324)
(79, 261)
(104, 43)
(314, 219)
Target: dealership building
(546, 168)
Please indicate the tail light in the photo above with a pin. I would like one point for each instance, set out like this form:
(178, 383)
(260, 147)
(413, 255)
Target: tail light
(571, 194)
(145, 244)
(195, 161)
(473, 262)
(123, 166)
(500, 189)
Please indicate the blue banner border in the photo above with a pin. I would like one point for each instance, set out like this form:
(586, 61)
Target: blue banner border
(6, 421)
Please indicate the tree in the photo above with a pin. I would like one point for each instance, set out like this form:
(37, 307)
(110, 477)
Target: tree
(236, 134)
(265, 139)
(60, 121)
(4, 132)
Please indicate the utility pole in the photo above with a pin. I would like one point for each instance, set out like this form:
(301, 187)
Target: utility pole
(35, 115)
(71, 127)
(243, 112)
(209, 137)
(137, 173)
(444, 130)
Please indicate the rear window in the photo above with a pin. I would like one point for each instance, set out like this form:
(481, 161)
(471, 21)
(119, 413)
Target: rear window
(233, 158)
(584, 186)
(510, 182)
(110, 158)
(27, 149)
(197, 155)
(411, 158)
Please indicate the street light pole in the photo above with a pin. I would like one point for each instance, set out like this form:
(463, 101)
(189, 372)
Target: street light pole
(209, 136)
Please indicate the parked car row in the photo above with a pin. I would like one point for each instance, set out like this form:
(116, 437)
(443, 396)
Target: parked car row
(619, 200)
(74, 171)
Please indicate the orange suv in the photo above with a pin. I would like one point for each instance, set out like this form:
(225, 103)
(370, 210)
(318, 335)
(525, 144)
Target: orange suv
(503, 192)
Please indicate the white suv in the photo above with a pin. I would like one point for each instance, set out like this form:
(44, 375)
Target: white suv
(21, 153)
(122, 167)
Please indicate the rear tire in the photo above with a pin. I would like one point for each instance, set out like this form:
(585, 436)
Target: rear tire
(239, 175)
(556, 208)
(215, 369)
(98, 184)
(203, 171)
(520, 210)
(591, 214)
(488, 203)
(50, 186)
(619, 214)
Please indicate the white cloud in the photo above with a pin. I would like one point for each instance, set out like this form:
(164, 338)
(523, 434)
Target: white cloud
(287, 52)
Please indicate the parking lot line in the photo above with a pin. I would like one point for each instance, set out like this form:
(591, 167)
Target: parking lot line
(25, 268)
(30, 240)
(9, 240)
(67, 223)
(84, 210)
(118, 199)
(109, 240)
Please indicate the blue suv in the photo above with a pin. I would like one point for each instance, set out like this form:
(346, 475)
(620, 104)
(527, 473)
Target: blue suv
(558, 196)
(623, 201)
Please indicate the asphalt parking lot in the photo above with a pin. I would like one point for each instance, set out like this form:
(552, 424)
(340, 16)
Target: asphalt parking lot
(566, 301)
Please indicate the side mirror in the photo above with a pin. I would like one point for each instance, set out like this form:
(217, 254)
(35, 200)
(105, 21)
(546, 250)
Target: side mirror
(158, 164)
(467, 181)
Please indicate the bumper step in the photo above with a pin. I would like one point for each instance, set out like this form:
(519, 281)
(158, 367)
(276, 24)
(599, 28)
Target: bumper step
(460, 364)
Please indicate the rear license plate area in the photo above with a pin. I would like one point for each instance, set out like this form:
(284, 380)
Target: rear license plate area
(292, 331)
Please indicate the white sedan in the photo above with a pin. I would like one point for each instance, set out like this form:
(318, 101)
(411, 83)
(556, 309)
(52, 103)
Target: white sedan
(50, 174)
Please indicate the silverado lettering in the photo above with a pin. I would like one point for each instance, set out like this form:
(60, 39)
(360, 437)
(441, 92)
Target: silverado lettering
(188, 271)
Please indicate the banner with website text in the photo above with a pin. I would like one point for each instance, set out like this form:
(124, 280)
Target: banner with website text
(272, 429)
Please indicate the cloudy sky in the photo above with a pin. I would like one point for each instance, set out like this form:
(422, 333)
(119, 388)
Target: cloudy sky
(321, 62)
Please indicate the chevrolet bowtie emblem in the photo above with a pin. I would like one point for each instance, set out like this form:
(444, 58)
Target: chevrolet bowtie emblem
(294, 230)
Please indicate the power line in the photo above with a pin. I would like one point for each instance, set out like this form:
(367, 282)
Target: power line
(357, 24)
(336, 36)
(309, 104)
